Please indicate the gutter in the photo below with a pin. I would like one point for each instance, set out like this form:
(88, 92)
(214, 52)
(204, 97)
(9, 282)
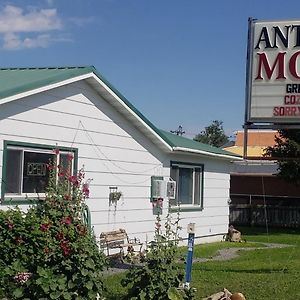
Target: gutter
(224, 156)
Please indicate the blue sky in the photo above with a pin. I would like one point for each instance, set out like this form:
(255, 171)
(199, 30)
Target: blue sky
(180, 62)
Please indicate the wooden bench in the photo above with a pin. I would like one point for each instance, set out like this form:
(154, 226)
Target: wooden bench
(118, 240)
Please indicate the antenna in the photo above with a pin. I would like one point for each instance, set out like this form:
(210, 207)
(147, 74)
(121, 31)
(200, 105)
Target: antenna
(178, 131)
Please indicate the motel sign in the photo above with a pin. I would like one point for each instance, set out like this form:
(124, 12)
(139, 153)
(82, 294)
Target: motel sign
(273, 72)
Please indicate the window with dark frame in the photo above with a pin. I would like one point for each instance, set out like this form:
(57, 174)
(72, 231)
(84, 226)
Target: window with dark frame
(189, 178)
(26, 171)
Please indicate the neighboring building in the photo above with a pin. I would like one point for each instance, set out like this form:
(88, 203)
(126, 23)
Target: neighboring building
(258, 141)
(76, 110)
(254, 184)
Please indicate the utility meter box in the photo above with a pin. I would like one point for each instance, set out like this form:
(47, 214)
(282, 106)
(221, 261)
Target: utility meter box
(191, 228)
(158, 189)
(171, 189)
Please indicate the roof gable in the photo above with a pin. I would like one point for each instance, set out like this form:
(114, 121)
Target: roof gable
(14, 82)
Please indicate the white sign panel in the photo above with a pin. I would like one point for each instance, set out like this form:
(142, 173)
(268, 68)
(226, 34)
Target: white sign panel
(274, 72)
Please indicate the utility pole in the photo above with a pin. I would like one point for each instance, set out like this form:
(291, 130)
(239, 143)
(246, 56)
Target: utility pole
(178, 131)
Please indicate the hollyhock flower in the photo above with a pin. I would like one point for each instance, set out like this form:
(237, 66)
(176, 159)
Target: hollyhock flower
(66, 220)
(66, 251)
(65, 246)
(59, 236)
(50, 167)
(45, 227)
(10, 226)
(56, 151)
(74, 180)
(61, 174)
(86, 190)
(70, 156)
(81, 174)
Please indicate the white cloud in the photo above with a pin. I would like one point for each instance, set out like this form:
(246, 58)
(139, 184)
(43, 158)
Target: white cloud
(13, 41)
(14, 19)
(17, 27)
(81, 21)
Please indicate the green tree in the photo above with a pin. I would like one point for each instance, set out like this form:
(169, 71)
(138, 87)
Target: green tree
(287, 151)
(213, 135)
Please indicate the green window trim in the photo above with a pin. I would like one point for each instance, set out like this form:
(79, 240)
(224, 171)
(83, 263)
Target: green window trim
(20, 199)
(189, 207)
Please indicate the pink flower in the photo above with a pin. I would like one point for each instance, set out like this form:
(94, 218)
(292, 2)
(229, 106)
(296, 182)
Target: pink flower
(81, 174)
(56, 151)
(158, 225)
(86, 190)
(70, 156)
(10, 226)
(45, 227)
(66, 220)
(74, 180)
(50, 167)
(65, 246)
(61, 174)
(59, 236)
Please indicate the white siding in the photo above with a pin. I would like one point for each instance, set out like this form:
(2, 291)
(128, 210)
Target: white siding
(212, 222)
(114, 153)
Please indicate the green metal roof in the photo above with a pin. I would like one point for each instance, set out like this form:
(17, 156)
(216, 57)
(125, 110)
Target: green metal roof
(19, 80)
(179, 141)
(14, 81)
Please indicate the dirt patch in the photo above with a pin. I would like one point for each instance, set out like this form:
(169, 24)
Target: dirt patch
(231, 253)
(222, 255)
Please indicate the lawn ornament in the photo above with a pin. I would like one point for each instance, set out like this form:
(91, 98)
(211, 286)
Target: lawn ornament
(226, 295)
(233, 235)
(237, 296)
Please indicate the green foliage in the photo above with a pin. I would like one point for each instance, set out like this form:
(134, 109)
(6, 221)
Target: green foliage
(287, 149)
(161, 273)
(49, 252)
(213, 135)
(258, 274)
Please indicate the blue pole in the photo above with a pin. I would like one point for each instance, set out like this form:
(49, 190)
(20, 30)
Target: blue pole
(189, 260)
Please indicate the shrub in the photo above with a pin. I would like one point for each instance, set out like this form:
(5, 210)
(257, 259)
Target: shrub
(49, 252)
(160, 277)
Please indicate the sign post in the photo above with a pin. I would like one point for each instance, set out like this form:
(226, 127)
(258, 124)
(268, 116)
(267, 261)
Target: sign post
(189, 260)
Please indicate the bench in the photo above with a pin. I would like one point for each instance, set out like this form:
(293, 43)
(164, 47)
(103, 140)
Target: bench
(119, 240)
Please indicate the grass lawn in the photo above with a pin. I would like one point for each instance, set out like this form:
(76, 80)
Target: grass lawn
(258, 274)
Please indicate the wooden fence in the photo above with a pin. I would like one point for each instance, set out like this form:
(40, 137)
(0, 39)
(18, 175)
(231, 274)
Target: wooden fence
(260, 215)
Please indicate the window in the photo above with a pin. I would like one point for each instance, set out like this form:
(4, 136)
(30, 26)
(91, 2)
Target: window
(189, 178)
(25, 172)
